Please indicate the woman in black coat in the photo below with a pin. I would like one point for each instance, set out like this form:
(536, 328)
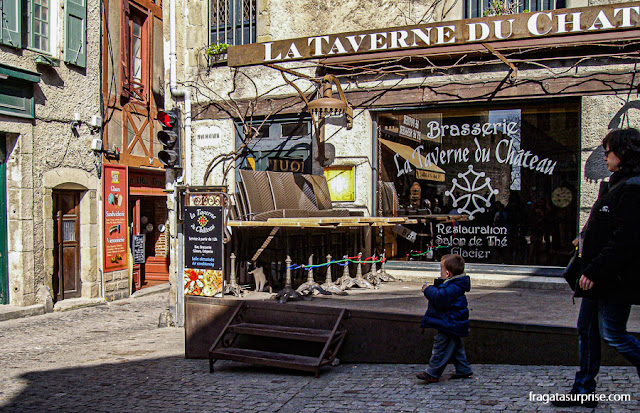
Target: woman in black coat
(610, 281)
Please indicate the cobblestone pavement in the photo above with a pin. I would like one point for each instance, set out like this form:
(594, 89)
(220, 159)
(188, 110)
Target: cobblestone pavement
(113, 358)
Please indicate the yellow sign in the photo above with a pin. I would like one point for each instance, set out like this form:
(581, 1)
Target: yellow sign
(429, 176)
(341, 182)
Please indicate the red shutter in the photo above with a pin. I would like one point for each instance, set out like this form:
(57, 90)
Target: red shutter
(125, 51)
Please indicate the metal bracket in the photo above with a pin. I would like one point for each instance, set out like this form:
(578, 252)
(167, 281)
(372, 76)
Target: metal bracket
(513, 75)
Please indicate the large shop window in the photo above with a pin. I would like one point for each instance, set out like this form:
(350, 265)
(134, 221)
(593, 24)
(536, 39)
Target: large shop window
(233, 21)
(481, 8)
(280, 145)
(513, 169)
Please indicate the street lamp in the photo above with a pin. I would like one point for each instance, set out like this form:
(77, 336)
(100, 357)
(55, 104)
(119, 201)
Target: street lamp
(327, 105)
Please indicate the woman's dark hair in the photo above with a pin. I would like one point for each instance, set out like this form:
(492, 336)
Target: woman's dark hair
(625, 143)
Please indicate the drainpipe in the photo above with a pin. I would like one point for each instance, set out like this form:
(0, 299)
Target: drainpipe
(186, 177)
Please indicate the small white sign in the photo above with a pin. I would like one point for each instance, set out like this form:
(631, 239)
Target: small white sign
(208, 136)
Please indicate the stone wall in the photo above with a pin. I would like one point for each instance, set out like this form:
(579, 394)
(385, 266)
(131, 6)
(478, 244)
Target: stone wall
(48, 143)
(116, 285)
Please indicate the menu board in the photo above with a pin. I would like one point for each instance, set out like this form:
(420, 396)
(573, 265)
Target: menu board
(203, 237)
(114, 200)
(203, 250)
(138, 249)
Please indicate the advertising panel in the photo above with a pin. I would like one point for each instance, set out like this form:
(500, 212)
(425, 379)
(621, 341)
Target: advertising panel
(115, 201)
(203, 226)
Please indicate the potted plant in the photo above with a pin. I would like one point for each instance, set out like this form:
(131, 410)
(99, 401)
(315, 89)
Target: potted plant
(216, 52)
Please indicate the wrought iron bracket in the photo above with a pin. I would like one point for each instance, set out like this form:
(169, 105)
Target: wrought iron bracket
(513, 75)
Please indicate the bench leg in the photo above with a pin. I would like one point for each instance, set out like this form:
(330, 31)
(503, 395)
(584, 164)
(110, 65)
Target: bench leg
(211, 361)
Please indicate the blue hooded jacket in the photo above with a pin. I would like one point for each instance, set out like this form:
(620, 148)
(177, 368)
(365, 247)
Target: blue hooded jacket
(448, 309)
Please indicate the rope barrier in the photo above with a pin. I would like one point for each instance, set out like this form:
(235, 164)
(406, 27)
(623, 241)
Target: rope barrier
(342, 262)
(369, 260)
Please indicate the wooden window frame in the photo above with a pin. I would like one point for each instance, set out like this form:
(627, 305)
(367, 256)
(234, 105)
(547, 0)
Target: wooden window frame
(32, 34)
(129, 88)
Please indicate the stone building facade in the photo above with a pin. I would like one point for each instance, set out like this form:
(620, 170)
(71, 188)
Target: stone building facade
(49, 114)
(547, 93)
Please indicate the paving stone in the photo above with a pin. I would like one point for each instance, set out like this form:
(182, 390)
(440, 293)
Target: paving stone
(113, 358)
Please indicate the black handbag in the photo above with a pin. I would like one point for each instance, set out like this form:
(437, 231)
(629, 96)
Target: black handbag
(574, 270)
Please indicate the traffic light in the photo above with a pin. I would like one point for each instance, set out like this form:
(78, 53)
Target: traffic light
(169, 136)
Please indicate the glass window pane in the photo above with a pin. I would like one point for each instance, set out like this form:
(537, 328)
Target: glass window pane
(137, 30)
(513, 168)
(68, 231)
(136, 72)
(136, 47)
(294, 129)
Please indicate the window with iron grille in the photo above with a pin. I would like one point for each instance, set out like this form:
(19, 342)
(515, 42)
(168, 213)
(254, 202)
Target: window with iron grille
(480, 8)
(233, 21)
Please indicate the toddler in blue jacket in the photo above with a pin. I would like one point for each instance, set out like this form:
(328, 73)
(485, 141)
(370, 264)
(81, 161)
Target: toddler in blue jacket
(448, 312)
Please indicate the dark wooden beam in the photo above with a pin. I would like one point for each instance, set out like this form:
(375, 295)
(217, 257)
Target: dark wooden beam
(449, 92)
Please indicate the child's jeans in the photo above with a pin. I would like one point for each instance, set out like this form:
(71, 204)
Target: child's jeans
(447, 348)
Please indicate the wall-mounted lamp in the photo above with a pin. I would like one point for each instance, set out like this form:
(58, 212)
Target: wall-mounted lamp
(325, 106)
(96, 146)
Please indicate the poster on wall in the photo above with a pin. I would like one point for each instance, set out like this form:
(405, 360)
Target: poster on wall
(203, 257)
(114, 200)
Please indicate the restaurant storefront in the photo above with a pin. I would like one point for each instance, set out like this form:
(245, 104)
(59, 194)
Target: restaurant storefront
(512, 167)
(480, 137)
(497, 118)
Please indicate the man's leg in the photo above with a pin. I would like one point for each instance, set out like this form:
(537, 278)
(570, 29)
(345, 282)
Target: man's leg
(589, 345)
(443, 346)
(613, 318)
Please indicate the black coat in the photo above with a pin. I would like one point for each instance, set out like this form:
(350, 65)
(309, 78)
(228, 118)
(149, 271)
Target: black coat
(611, 242)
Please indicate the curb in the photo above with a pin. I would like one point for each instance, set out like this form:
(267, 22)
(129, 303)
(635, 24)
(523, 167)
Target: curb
(156, 289)
(10, 312)
(489, 280)
(76, 303)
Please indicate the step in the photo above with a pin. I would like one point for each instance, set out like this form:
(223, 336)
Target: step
(266, 358)
(284, 332)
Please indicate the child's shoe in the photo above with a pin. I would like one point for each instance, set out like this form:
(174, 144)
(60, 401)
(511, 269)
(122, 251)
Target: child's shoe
(427, 378)
(462, 376)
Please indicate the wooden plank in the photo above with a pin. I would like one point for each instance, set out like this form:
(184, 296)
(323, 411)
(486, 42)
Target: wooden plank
(284, 332)
(266, 358)
(345, 221)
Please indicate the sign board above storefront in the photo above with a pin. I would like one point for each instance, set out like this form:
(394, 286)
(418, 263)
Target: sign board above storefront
(282, 164)
(562, 22)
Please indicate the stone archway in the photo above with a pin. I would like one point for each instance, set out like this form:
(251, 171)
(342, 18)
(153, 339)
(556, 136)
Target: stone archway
(75, 179)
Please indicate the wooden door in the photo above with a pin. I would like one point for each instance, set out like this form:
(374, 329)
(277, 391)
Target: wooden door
(138, 269)
(66, 215)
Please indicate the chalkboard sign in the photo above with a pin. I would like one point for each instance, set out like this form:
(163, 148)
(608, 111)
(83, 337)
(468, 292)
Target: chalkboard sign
(203, 237)
(137, 249)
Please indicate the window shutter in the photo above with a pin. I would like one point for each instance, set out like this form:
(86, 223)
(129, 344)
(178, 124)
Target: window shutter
(125, 51)
(75, 39)
(11, 12)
